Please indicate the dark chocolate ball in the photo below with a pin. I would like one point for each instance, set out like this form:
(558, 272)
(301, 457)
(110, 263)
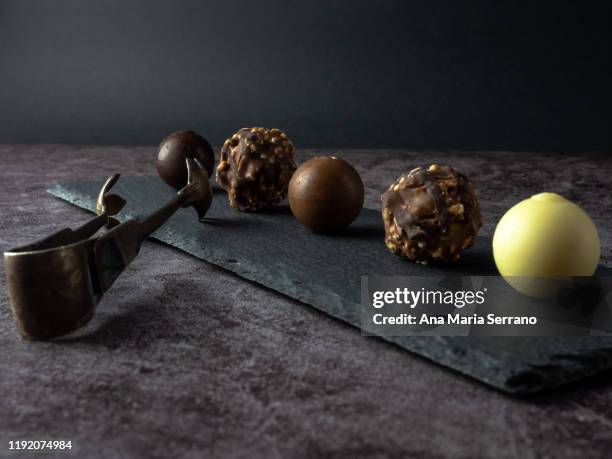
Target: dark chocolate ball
(431, 214)
(173, 151)
(326, 194)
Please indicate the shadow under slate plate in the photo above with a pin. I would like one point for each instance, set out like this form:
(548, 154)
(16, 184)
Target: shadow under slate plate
(325, 271)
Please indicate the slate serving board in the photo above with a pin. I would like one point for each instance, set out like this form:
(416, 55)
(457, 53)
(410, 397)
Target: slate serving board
(325, 271)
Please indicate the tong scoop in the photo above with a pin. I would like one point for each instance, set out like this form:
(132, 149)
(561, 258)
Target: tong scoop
(54, 284)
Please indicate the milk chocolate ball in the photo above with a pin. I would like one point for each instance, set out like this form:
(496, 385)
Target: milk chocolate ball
(431, 214)
(173, 151)
(545, 236)
(326, 194)
(255, 167)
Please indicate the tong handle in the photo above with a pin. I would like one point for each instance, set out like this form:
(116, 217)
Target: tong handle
(149, 224)
(114, 250)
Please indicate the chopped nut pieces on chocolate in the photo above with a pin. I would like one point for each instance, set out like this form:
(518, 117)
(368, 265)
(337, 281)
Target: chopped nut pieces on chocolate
(431, 214)
(255, 168)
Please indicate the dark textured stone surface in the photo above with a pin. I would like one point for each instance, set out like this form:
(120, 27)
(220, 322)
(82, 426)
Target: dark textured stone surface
(325, 271)
(187, 360)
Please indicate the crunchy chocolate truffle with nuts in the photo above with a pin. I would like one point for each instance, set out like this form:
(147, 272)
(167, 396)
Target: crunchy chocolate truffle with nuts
(431, 214)
(255, 168)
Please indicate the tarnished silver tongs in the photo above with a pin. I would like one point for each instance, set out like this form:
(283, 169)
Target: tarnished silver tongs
(54, 284)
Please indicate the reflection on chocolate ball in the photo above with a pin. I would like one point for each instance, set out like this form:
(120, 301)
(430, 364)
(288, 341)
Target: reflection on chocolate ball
(326, 194)
(173, 151)
(255, 167)
(431, 214)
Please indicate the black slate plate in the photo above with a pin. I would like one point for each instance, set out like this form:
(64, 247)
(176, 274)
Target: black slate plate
(325, 272)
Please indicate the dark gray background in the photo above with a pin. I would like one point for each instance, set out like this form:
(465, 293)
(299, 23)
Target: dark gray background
(430, 74)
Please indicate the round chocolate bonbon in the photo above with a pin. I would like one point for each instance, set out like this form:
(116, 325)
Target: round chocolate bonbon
(173, 151)
(431, 214)
(255, 167)
(545, 236)
(326, 194)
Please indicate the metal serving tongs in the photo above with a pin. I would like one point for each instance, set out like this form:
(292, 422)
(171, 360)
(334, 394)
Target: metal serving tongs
(54, 284)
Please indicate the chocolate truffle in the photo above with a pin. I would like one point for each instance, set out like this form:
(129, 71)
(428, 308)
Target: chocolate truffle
(173, 151)
(431, 214)
(326, 194)
(255, 167)
(545, 236)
